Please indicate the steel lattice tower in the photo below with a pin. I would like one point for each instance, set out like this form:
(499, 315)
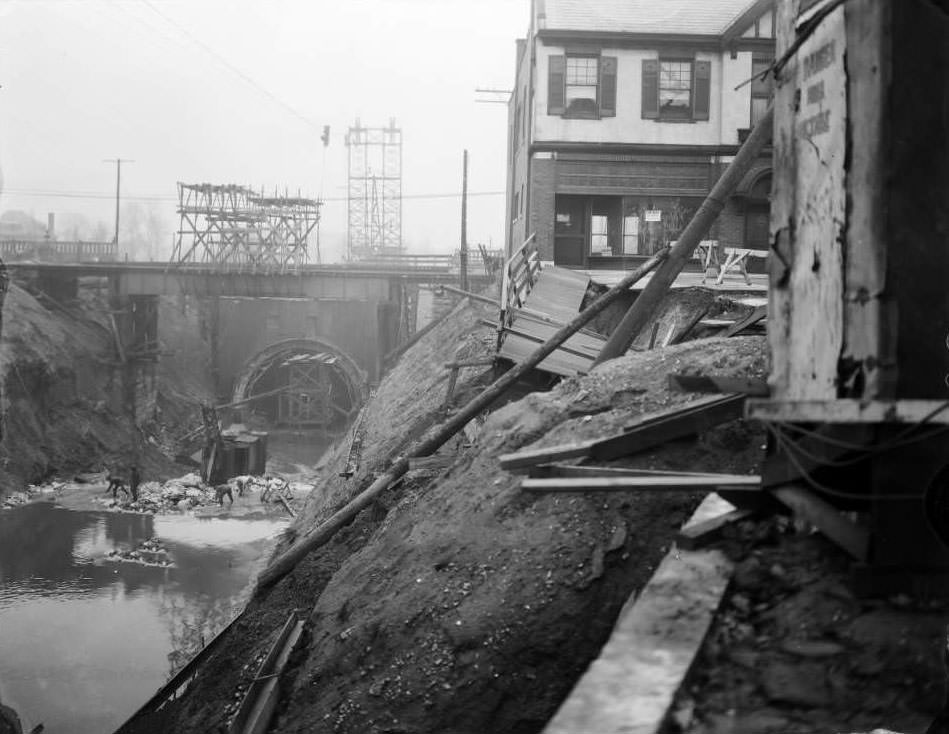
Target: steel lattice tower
(375, 190)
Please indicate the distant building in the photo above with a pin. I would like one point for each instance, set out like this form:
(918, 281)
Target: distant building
(624, 114)
(18, 225)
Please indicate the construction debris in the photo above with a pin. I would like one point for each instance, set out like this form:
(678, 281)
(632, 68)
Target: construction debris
(149, 552)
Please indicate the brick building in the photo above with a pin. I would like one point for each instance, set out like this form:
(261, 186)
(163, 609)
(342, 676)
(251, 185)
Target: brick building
(624, 114)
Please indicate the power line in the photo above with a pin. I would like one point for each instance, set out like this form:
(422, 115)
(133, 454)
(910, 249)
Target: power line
(212, 52)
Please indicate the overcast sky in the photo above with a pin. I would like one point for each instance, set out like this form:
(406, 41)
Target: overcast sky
(165, 83)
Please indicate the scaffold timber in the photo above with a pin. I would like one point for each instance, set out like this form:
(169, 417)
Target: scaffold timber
(236, 227)
(375, 191)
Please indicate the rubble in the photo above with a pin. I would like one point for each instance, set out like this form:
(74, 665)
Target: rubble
(149, 552)
(181, 494)
(794, 651)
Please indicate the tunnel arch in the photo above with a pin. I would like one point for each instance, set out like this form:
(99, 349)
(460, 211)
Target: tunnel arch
(273, 369)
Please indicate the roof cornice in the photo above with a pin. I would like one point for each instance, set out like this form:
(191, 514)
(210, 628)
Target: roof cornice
(565, 146)
(616, 39)
(741, 23)
(619, 39)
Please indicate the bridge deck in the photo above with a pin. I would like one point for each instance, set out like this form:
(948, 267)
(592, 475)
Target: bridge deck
(308, 281)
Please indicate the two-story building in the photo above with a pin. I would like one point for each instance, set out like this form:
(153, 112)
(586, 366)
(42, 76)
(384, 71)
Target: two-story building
(624, 114)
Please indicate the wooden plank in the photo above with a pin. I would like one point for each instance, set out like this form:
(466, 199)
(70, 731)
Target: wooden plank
(702, 534)
(257, 707)
(558, 293)
(517, 349)
(826, 518)
(428, 463)
(848, 411)
(650, 430)
(783, 201)
(592, 470)
(817, 125)
(750, 320)
(643, 483)
(631, 686)
(535, 335)
(690, 418)
(546, 455)
(867, 341)
(715, 384)
(687, 329)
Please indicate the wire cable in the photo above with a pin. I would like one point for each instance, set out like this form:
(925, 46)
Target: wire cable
(231, 67)
(808, 478)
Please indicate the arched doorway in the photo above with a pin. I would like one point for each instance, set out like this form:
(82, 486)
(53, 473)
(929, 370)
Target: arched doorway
(301, 383)
(758, 212)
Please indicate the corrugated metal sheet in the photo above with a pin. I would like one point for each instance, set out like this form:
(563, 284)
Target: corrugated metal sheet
(700, 17)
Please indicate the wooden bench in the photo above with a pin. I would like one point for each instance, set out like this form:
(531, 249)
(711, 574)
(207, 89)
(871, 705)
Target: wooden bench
(735, 257)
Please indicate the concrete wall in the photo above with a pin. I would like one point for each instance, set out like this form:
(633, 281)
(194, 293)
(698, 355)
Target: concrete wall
(247, 326)
(729, 110)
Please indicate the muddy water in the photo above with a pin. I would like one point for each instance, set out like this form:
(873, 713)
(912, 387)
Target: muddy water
(84, 641)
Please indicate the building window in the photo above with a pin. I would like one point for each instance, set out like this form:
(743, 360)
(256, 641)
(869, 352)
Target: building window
(675, 89)
(631, 234)
(762, 91)
(589, 229)
(581, 86)
(581, 83)
(600, 235)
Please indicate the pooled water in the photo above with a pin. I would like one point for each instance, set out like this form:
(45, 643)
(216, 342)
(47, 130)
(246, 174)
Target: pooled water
(84, 641)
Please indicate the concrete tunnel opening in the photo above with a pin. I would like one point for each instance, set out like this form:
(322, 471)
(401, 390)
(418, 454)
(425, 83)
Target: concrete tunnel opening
(300, 384)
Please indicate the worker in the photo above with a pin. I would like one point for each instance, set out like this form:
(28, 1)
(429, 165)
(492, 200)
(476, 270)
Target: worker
(223, 489)
(134, 480)
(115, 483)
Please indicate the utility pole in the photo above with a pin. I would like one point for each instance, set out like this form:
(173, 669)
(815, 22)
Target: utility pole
(464, 223)
(118, 183)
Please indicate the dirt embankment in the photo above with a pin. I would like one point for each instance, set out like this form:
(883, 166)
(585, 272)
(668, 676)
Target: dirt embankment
(459, 604)
(63, 408)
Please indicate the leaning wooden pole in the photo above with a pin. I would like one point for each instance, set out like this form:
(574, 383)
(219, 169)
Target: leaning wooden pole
(645, 304)
(285, 563)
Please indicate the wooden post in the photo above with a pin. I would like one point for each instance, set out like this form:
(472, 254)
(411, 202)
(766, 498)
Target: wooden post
(647, 301)
(282, 565)
(464, 223)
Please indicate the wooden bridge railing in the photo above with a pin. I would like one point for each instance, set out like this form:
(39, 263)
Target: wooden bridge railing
(520, 274)
(69, 251)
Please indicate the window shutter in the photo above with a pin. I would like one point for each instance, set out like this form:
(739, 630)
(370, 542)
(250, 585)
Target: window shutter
(703, 88)
(608, 86)
(650, 88)
(556, 69)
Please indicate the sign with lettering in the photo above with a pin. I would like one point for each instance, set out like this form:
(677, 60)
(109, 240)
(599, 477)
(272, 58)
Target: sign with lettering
(816, 100)
(653, 215)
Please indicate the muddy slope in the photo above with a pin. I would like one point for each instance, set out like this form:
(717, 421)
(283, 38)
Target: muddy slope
(62, 402)
(459, 603)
